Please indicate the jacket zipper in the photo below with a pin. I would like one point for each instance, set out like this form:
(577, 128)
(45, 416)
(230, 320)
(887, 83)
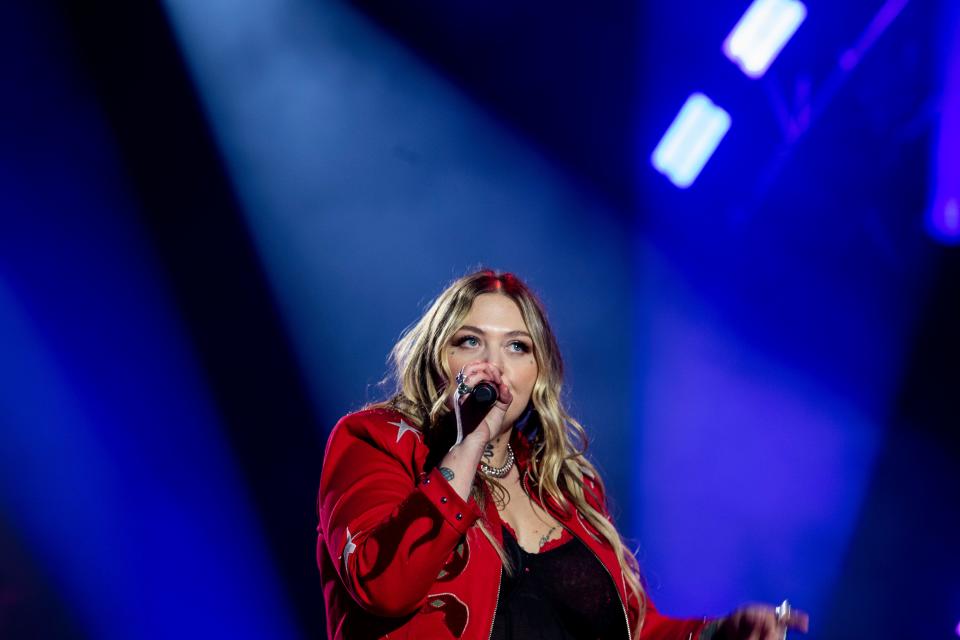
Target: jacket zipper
(496, 604)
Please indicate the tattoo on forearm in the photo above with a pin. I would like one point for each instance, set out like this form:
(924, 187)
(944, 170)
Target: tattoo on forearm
(447, 473)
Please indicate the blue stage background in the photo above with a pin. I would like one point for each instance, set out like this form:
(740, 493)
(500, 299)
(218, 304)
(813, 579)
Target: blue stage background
(217, 217)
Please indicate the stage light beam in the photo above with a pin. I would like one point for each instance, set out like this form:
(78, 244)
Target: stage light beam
(690, 140)
(762, 33)
(943, 215)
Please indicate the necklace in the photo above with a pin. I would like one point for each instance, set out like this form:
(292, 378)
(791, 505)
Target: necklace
(499, 472)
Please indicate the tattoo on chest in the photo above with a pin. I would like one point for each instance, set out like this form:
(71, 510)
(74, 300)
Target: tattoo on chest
(447, 473)
(488, 450)
(545, 538)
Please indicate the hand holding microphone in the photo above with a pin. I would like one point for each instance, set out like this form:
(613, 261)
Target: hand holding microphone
(483, 403)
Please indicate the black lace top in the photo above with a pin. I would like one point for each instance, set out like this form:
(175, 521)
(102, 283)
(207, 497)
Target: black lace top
(560, 593)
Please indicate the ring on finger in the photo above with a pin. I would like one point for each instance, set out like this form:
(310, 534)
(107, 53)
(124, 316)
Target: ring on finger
(783, 612)
(462, 387)
(783, 615)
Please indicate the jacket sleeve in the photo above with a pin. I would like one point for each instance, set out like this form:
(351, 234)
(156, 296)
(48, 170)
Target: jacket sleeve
(387, 531)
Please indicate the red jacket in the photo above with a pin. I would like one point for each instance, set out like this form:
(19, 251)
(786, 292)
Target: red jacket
(397, 551)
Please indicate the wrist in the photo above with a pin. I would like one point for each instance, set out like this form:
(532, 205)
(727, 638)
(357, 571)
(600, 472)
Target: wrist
(470, 448)
(474, 440)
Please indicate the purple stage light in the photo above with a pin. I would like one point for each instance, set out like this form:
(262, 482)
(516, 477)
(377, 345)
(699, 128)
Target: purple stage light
(944, 221)
(762, 33)
(943, 216)
(691, 140)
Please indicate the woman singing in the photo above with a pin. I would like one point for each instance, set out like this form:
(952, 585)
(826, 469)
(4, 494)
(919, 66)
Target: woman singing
(428, 531)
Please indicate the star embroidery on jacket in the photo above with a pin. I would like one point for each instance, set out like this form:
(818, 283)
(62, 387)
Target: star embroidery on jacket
(348, 548)
(403, 427)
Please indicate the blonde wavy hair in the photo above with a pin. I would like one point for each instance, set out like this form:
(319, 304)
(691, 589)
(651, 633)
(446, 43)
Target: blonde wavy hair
(557, 464)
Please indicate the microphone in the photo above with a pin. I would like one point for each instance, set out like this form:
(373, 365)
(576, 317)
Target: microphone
(484, 395)
(474, 409)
